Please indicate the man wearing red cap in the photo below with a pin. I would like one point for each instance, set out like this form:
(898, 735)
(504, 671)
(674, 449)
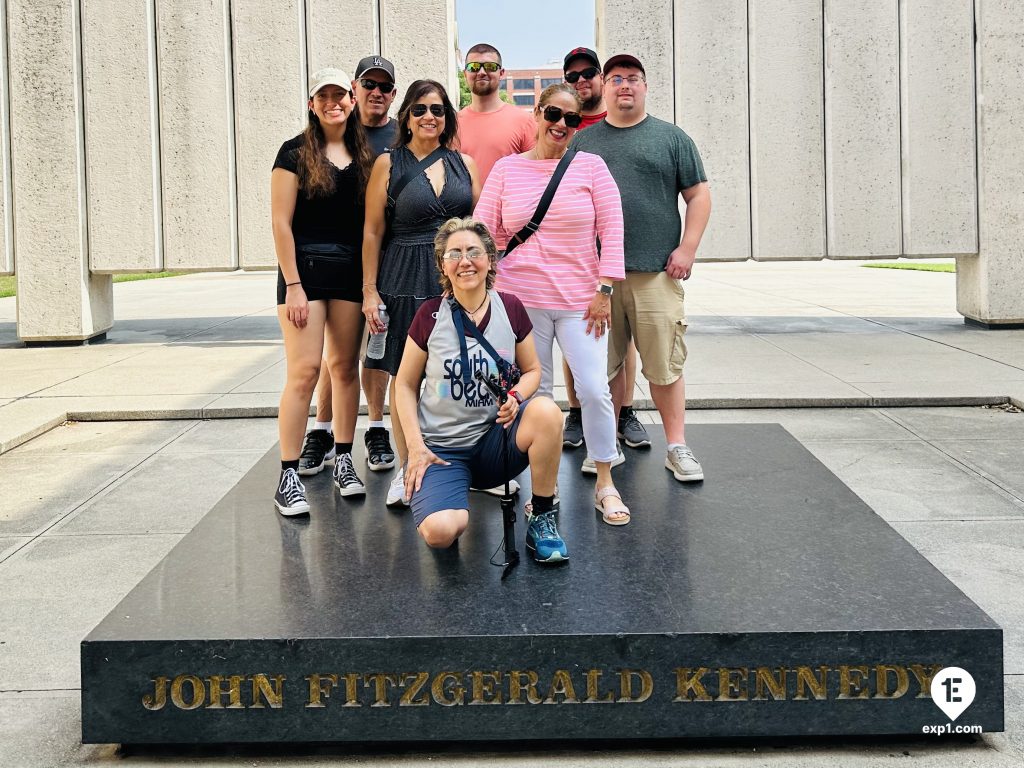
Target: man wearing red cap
(652, 162)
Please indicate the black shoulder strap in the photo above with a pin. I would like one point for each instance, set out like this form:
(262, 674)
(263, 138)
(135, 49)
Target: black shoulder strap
(411, 174)
(523, 234)
(458, 316)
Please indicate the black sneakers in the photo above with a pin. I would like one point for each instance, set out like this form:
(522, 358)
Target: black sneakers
(317, 451)
(379, 455)
(290, 498)
(631, 431)
(572, 432)
(345, 478)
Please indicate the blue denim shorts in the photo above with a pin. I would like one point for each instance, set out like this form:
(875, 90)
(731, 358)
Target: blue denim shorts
(478, 466)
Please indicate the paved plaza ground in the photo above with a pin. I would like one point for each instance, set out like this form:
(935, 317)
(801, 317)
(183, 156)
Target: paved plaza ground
(872, 370)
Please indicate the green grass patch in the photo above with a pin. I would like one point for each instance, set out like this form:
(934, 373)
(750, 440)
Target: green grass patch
(8, 285)
(920, 266)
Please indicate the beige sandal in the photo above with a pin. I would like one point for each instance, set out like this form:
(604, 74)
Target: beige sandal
(618, 514)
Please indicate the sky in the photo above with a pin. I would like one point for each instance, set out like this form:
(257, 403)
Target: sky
(529, 33)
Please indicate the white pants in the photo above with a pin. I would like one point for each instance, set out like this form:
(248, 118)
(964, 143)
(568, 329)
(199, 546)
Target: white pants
(588, 360)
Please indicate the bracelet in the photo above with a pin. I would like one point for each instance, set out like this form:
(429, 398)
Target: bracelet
(365, 285)
(297, 282)
(515, 394)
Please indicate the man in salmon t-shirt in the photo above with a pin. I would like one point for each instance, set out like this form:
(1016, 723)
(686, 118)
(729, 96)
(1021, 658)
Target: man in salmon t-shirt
(490, 128)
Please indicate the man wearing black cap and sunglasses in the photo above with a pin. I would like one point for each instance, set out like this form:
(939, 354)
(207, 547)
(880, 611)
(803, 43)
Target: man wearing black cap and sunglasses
(582, 70)
(375, 92)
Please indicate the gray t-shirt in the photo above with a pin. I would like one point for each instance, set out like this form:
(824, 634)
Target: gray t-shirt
(382, 137)
(651, 162)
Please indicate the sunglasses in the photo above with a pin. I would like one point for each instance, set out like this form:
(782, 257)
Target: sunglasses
(586, 74)
(385, 87)
(419, 110)
(487, 66)
(554, 114)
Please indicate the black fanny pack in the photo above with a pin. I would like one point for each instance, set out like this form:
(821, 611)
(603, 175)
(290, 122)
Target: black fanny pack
(327, 266)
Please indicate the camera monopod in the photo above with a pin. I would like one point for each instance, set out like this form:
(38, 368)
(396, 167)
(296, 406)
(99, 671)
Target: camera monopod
(508, 506)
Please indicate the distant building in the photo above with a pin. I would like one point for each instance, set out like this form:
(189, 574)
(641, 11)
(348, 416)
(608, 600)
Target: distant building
(524, 85)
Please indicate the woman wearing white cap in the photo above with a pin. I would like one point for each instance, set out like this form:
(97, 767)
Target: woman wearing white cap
(317, 193)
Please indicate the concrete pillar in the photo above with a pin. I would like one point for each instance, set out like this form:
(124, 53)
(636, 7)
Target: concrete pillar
(6, 211)
(416, 36)
(711, 106)
(937, 93)
(196, 134)
(58, 299)
(787, 173)
(644, 30)
(862, 129)
(270, 107)
(989, 284)
(122, 140)
(340, 32)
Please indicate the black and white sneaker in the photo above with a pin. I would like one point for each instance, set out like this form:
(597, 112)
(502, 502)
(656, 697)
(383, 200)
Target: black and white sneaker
(318, 450)
(290, 498)
(379, 455)
(345, 478)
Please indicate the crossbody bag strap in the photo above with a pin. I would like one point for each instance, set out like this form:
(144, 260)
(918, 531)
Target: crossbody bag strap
(533, 225)
(458, 315)
(411, 174)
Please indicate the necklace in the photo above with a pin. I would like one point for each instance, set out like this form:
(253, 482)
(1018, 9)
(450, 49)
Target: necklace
(472, 315)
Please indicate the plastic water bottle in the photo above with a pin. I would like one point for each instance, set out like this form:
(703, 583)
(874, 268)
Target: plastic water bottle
(375, 346)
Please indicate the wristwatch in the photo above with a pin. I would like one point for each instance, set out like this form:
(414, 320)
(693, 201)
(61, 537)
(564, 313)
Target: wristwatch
(605, 289)
(516, 395)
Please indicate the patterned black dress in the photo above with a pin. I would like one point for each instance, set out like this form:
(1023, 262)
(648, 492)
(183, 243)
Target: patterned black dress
(407, 276)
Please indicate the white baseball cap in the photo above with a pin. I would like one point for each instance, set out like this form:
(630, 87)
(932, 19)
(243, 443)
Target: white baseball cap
(329, 76)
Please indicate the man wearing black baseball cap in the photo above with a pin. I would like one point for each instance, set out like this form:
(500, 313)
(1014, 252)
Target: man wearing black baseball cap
(375, 92)
(582, 70)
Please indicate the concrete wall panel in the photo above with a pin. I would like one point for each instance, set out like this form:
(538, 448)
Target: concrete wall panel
(416, 37)
(646, 32)
(340, 32)
(786, 124)
(712, 103)
(196, 132)
(6, 217)
(121, 136)
(269, 87)
(862, 129)
(57, 297)
(989, 284)
(939, 160)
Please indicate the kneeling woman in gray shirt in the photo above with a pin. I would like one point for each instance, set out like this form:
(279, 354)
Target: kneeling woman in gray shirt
(457, 434)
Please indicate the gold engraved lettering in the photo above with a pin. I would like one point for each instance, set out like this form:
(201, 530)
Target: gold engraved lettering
(882, 672)
(626, 686)
(448, 695)
(688, 682)
(593, 675)
(380, 682)
(319, 689)
(271, 692)
(351, 689)
(732, 683)
(483, 687)
(924, 674)
(159, 698)
(198, 692)
(409, 695)
(818, 686)
(516, 688)
(234, 692)
(853, 682)
(561, 685)
(764, 678)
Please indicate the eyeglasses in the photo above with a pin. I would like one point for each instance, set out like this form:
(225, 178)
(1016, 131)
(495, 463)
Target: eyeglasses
(586, 74)
(473, 254)
(554, 114)
(385, 87)
(633, 80)
(486, 66)
(419, 110)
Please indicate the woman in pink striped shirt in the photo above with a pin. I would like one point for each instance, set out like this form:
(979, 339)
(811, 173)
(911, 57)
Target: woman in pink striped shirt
(558, 274)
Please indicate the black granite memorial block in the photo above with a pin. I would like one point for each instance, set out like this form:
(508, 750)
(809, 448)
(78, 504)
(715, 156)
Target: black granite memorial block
(767, 601)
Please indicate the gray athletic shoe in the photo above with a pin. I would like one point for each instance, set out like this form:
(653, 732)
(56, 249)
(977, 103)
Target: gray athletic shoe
(683, 465)
(572, 432)
(631, 431)
(589, 468)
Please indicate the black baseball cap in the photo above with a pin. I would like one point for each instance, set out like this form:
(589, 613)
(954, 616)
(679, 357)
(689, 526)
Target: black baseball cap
(622, 60)
(581, 53)
(374, 62)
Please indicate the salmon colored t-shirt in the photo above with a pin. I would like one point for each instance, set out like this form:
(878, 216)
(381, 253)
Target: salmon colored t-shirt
(489, 136)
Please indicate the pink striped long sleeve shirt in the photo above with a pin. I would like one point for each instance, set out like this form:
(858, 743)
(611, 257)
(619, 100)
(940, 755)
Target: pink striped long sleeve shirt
(559, 266)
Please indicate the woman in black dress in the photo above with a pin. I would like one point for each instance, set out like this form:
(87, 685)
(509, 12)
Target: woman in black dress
(317, 205)
(405, 275)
